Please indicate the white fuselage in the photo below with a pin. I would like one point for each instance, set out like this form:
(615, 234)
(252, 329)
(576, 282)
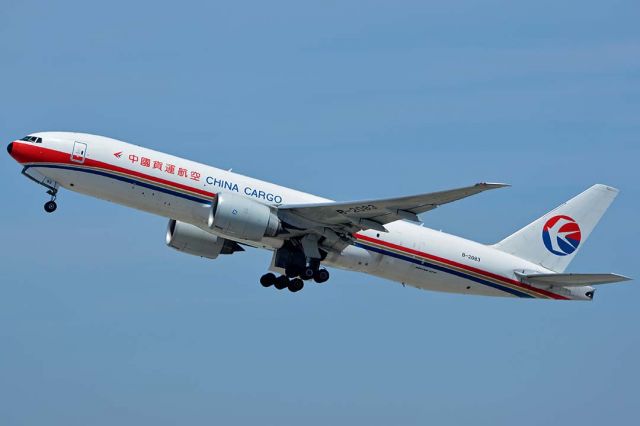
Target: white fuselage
(180, 189)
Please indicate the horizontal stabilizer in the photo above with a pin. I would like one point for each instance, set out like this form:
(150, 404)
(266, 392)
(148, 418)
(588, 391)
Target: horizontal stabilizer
(571, 280)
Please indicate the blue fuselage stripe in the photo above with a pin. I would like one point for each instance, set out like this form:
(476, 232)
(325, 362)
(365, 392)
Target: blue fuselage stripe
(128, 180)
(443, 269)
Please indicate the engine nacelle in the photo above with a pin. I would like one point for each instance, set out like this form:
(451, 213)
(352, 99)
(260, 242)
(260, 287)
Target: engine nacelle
(193, 240)
(243, 218)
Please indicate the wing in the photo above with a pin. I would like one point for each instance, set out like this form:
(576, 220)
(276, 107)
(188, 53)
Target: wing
(350, 217)
(571, 280)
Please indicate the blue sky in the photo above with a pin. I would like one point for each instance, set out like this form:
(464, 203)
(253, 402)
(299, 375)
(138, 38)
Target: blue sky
(101, 324)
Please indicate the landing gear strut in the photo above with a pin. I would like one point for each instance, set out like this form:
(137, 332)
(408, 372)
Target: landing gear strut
(51, 206)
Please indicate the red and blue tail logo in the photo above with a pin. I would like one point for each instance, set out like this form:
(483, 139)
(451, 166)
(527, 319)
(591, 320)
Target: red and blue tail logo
(561, 235)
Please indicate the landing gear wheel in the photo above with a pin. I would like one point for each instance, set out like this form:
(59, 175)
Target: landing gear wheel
(321, 275)
(295, 285)
(281, 282)
(291, 272)
(50, 206)
(307, 273)
(267, 280)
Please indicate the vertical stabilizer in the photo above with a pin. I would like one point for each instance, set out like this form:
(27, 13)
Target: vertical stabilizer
(553, 240)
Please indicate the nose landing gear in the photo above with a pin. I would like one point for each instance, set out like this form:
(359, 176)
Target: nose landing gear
(51, 206)
(52, 189)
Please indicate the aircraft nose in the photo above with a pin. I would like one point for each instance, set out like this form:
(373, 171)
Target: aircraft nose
(10, 148)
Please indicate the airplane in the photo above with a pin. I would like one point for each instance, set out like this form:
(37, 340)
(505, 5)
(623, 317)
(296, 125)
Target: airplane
(216, 212)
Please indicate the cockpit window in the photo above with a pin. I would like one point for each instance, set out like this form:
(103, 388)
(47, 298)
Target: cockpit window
(32, 139)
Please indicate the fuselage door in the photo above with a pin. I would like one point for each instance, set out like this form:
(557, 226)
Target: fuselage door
(79, 152)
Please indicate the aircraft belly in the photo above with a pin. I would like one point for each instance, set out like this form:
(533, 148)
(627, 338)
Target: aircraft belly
(429, 279)
(410, 271)
(128, 194)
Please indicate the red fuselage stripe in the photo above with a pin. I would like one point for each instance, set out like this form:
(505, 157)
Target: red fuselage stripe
(459, 265)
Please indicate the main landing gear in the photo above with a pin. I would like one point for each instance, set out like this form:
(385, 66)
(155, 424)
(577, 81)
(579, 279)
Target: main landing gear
(300, 264)
(295, 282)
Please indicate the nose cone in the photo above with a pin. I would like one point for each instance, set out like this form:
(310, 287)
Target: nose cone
(24, 152)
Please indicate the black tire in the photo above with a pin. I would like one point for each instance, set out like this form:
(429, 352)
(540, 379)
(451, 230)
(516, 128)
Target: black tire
(50, 206)
(281, 282)
(291, 272)
(267, 280)
(307, 274)
(296, 285)
(321, 276)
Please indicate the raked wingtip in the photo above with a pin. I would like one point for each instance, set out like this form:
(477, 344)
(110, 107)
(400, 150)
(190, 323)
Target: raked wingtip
(493, 185)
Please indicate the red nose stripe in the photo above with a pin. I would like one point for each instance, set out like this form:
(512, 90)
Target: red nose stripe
(24, 153)
(35, 155)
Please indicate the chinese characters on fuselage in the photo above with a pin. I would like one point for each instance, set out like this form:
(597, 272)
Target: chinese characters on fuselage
(168, 168)
(172, 169)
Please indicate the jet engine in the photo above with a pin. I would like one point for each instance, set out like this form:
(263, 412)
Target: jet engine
(193, 240)
(242, 218)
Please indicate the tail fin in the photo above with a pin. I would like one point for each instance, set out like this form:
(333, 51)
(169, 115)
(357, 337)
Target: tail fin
(553, 240)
